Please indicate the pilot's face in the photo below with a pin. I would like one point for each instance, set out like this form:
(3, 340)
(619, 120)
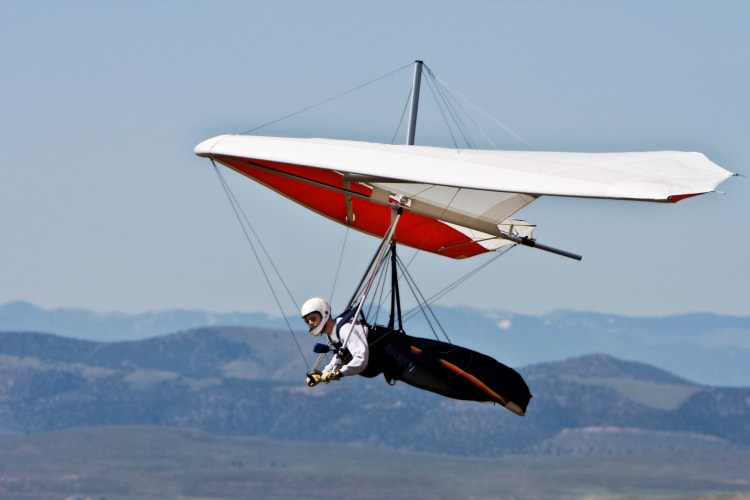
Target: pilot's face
(313, 320)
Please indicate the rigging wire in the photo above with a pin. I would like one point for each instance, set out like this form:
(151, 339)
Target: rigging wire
(449, 288)
(386, 292)
(324, 101)
(403, 116)
(453, 103)
(423, 305)
(446, 108)
(507, 129)
(425, 302)
(245, 225)
(377, 305)
(338, 267)
(442, 113)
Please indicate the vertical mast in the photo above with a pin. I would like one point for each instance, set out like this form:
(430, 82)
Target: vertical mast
(414, 103)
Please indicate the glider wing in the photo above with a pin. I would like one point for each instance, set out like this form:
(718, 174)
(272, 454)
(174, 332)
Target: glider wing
(458, 203)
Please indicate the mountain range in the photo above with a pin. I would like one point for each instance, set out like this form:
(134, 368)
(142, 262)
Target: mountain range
(249, 381)
(708, 349)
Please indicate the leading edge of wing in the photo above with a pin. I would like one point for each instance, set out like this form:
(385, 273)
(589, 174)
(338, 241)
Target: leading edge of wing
(665, 176)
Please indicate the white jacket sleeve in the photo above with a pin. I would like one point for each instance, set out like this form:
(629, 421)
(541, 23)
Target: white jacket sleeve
(355, 340)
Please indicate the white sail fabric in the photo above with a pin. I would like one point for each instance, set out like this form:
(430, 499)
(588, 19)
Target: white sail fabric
(652, 176)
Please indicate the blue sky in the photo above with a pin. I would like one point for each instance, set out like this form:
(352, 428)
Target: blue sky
(104, 206)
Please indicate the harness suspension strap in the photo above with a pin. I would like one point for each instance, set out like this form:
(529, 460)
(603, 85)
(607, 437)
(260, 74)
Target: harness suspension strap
(395, 294)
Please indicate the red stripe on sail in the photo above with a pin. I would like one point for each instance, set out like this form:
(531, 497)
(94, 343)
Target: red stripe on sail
(413, 230)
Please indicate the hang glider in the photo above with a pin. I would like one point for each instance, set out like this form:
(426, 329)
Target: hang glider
(453, 202)
(458, 203)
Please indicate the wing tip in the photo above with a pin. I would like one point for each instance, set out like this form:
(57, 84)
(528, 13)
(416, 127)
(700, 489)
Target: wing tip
(679, 197)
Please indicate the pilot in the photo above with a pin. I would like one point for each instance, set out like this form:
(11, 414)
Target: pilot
(350, 340)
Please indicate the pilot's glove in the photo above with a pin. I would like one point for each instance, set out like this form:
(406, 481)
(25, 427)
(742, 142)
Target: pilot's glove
(328, 376)
(313, 379)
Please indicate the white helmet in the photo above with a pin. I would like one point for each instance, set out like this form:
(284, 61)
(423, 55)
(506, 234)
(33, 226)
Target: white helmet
(318, 305)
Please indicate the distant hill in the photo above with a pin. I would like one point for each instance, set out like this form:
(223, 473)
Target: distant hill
(249, 382)
(705, 348)
(113, 327)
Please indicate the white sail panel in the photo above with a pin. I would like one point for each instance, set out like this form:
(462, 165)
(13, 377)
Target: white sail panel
(654, 176)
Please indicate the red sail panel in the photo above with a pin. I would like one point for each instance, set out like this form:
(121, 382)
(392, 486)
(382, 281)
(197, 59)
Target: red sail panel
(307, 186)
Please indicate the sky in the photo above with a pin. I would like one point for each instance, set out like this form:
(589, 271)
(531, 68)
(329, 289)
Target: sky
(104, 206)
